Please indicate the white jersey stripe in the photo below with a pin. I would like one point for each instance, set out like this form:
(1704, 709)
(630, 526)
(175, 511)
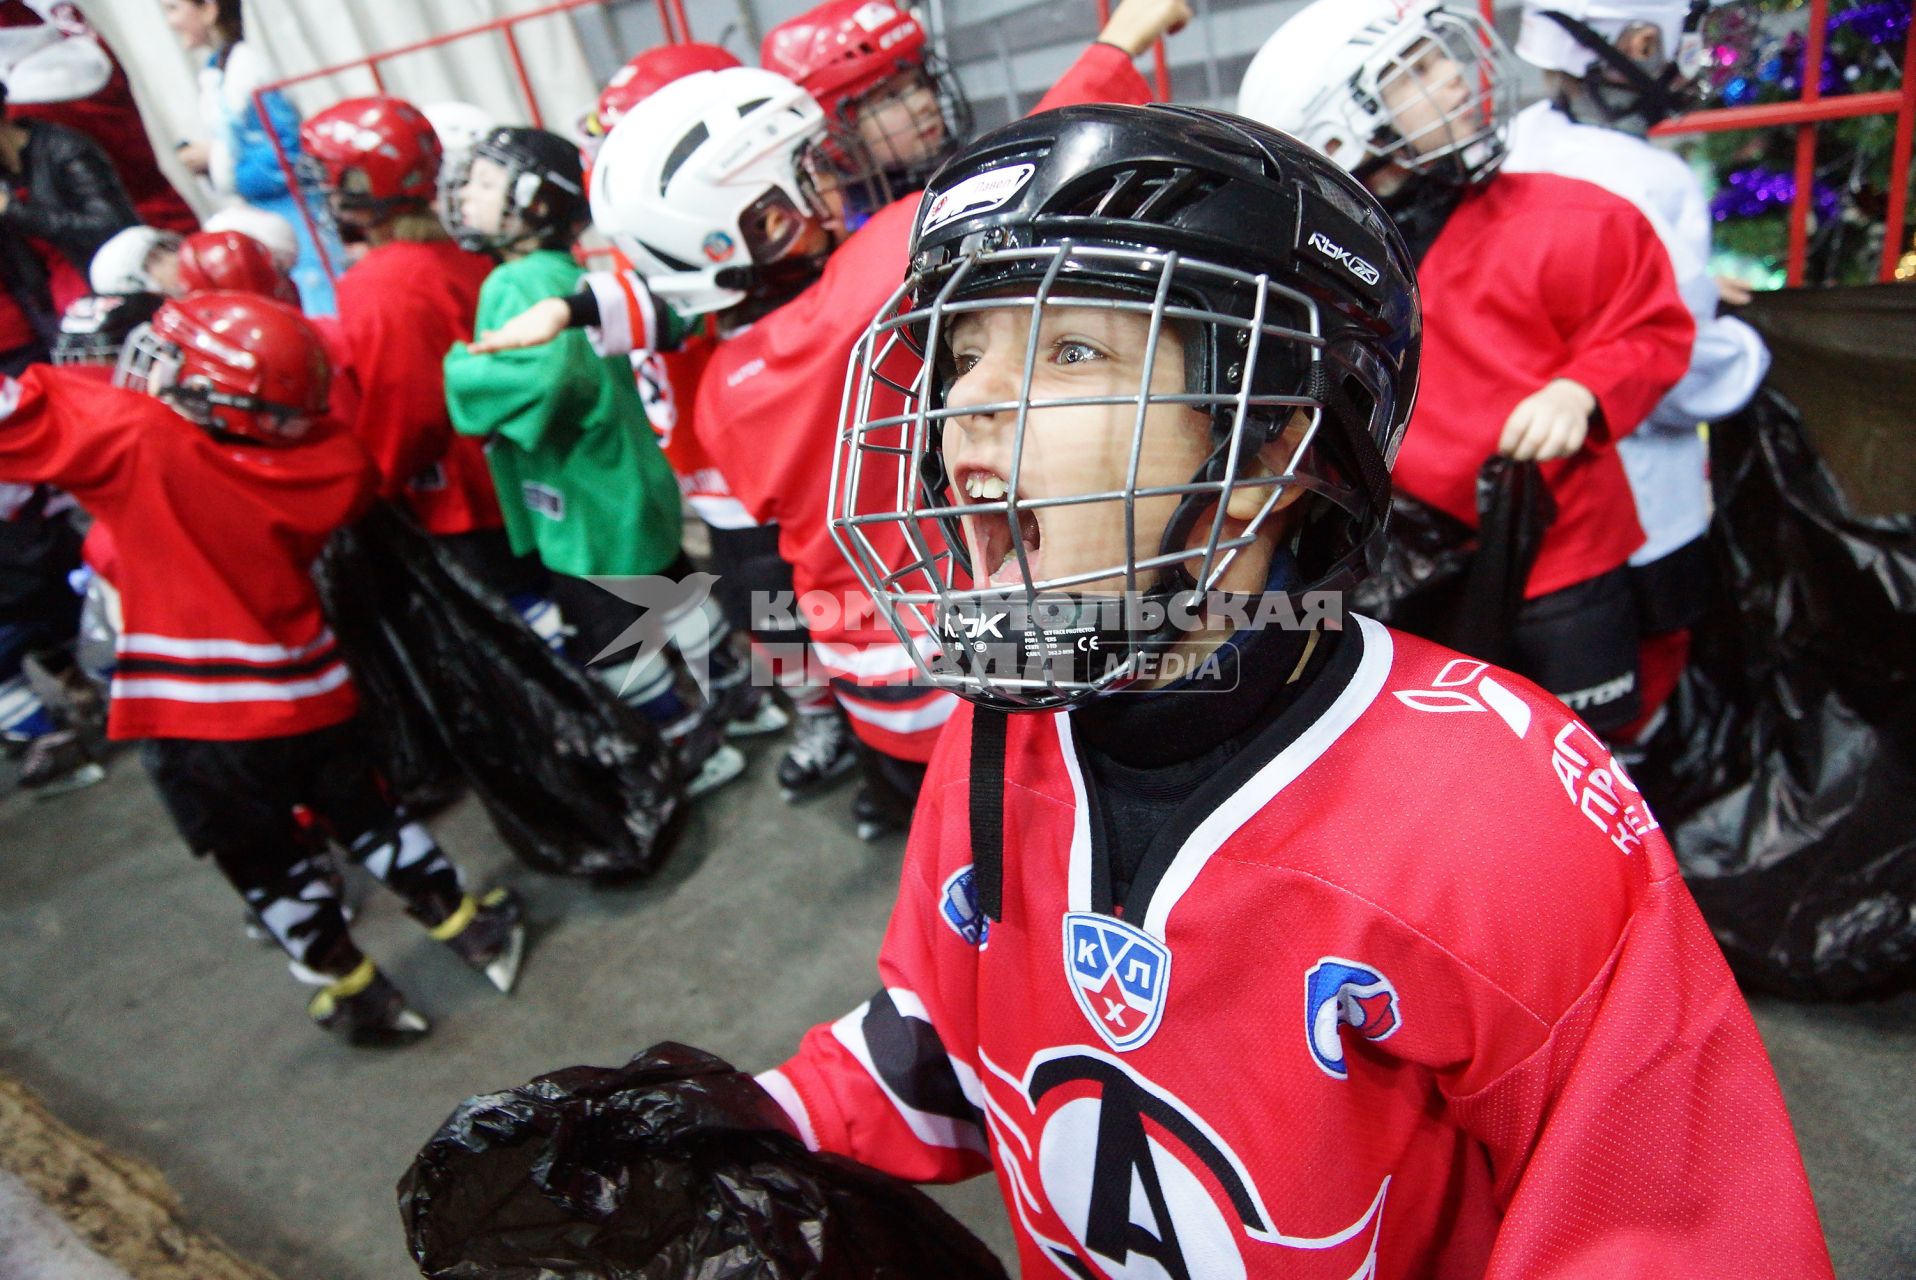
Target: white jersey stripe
(908, 720)
(1250, 799)
(218, 691)
(147, 644)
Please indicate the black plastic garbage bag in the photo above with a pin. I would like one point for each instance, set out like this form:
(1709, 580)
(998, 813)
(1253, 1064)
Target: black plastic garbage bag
(575, 781)
(1785, 772)
(1443, 580)
(414, 759)
(672, 1167)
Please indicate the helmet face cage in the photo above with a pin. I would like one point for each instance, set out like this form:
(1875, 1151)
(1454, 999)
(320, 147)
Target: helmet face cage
(525, 186)
(86, 348)
(911, 122)
(155, 366)
(151, 365)
(1028, 642)
(1468, 128)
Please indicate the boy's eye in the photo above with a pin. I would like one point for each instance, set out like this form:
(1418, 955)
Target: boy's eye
(963, 362)
(1071, 351)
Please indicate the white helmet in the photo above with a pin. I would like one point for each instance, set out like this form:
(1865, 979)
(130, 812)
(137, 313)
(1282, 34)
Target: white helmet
(1328, 76)
(269, 228)
(65, 71)
(684, 179)
(124, 264)
(1544, 42)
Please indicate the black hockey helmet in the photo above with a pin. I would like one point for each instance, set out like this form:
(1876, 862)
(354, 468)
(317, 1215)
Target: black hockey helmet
(94, 329)
(1290, 290)
(545, 190)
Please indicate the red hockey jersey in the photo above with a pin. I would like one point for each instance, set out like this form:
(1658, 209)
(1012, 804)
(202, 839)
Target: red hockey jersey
(402, 307)
(1537, 277)
(768, 407)
(1412, 988)
(223, 637)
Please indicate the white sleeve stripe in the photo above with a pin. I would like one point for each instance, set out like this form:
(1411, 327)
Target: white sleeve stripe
(613, 335)
(785, 1094)
(932, 1130)
(908, 720)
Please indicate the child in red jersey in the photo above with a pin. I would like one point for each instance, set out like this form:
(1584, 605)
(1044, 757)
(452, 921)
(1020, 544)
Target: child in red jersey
(221, 486)
(761, 235)
(1555, 321)
(402, 306)
(870, 65)
(1239, 938)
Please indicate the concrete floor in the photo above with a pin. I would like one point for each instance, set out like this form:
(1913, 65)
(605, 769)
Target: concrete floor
(130, 1000)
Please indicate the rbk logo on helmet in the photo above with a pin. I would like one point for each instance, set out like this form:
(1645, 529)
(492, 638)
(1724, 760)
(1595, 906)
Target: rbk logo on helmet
(1337, 253)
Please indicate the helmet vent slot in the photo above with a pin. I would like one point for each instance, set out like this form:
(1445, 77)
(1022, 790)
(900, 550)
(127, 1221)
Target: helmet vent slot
(692, 141)
(1143, 194)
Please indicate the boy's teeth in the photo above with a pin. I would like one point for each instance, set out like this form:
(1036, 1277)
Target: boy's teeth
(980, 485)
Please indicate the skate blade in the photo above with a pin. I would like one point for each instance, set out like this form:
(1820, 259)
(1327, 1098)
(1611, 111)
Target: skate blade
(85, 776)
(770, 718)
(721, 767)
(503, 970)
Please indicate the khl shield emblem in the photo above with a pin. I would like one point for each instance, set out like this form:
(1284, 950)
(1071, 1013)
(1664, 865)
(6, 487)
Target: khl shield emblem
(1120, 975)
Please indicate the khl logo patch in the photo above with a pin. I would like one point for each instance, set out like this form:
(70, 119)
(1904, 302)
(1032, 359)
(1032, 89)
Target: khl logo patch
(1120, 975)
(958, 904)
(1343, 993)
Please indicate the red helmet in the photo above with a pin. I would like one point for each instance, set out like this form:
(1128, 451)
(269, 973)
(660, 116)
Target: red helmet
(844, 48)
(369, 153)
(651, 71)
(233, 261)
(234, 362)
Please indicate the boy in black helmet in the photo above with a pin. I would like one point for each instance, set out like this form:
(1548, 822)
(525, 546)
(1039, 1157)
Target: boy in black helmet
(1238, 936)
(581, 479)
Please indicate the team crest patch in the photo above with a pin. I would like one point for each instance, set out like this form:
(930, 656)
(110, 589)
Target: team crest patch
(1343, 993)
(958, 905)
(718, 246)
(1120, 975)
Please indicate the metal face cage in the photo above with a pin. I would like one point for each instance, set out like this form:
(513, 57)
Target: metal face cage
(1454, 65)
(1251, 368)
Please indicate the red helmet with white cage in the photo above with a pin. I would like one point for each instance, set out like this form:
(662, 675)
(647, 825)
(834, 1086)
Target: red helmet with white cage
(236, 363)
(871, 67)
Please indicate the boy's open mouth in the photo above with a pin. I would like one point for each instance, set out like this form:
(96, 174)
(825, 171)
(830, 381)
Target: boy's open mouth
(994, 555)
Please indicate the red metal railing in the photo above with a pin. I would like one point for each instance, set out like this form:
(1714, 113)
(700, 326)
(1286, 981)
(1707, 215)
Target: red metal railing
(671, 18)
(1804, 115)
(1808, 111)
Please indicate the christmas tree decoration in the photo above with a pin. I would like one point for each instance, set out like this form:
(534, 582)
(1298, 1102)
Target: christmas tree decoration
(1756, 51)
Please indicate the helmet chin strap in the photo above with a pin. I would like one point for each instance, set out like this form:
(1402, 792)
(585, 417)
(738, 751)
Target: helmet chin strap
(1653, 98)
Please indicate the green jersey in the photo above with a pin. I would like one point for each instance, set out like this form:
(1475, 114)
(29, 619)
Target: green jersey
(580, 476)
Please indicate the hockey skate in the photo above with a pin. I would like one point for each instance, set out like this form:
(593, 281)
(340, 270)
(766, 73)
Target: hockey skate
(706, 761)
(58, 762)
(78, 700)
(366, 1008)
(746, 710)
(489, 934)
(822, 751)
(874, 819)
